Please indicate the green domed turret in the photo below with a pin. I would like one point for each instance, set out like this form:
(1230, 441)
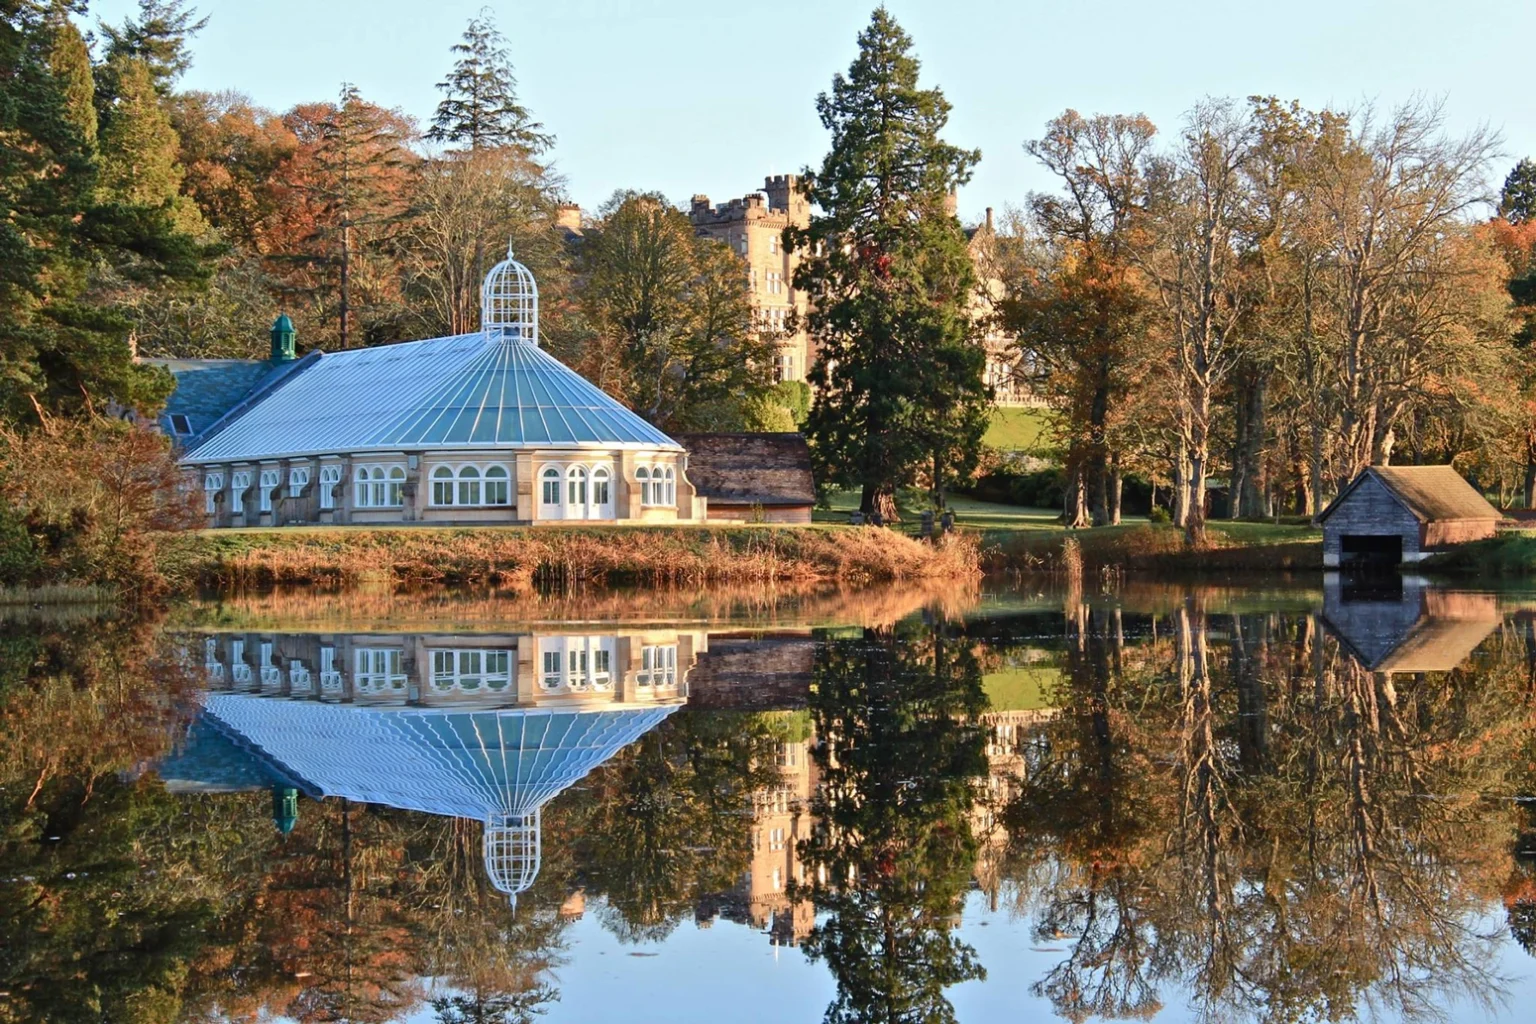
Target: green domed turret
(282, 339)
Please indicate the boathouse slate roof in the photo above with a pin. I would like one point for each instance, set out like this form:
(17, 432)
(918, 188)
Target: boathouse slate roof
(1430, 493)
(468, 391)
(750, 469)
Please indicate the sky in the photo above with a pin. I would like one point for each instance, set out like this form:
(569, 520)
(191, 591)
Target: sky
(687, 96)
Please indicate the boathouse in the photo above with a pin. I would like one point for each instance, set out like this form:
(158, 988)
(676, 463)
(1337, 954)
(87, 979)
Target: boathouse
(1390, 515)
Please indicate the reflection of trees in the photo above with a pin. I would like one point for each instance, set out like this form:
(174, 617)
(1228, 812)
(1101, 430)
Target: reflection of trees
(900, 754)
(1288, 835)
(665, 821)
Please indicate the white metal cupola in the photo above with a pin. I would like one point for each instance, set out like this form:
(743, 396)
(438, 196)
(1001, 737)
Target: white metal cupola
(509, 302)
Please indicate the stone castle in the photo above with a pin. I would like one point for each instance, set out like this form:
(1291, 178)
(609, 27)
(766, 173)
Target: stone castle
(753, 227)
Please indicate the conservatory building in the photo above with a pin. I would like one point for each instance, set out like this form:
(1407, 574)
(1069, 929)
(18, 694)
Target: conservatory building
(474, 428)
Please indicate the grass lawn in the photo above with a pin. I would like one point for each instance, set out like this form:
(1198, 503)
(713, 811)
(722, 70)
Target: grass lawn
(981, 515)
(1015, 429)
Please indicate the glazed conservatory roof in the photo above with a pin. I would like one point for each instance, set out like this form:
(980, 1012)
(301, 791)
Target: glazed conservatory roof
(463, 764)
(469, 391)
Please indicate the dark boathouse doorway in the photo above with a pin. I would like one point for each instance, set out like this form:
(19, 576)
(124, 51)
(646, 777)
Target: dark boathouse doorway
(1371, 550)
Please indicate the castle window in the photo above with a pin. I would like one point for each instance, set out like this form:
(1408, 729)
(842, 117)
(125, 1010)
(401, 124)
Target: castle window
(298, 479)
(773, 244)
(330, 476)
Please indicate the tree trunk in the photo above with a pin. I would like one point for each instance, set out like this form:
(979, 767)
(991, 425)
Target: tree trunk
(1530, 468)
(1116, 489)
(1075, 501)
(1180, 476)
(1315, 470)
(879, 498)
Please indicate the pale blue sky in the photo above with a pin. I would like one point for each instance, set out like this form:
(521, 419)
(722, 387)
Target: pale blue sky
(692, 96)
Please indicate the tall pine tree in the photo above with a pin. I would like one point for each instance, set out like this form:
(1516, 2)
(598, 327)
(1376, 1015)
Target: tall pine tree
(899, 382)
(480, 109)
(158, 37)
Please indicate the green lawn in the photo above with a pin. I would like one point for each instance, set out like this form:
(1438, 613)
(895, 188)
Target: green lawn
(981, 515)
(1019, 430)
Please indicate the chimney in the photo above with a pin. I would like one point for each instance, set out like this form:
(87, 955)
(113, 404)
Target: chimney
(568, 217)
(952, 203)
(282, 339)
(989, 220)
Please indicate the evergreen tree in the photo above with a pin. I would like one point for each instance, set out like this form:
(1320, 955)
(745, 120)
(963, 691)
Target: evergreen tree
(159, 38)
(58, 352)
(139, 148)
(885, 264)
(1517, 201)
(479, 109)
(70, 61)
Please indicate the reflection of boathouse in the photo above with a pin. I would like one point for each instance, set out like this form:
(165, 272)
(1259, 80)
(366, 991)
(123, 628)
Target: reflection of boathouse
(1407, 626)
(483, 727)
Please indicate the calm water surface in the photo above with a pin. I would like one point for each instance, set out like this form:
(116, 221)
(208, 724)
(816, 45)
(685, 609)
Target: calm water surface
(1158, 802)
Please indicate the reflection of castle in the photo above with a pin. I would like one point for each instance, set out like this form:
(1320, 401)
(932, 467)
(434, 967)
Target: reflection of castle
(483, 727)
(781, 820)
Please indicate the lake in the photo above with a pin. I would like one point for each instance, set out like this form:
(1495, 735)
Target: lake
(1008, 803)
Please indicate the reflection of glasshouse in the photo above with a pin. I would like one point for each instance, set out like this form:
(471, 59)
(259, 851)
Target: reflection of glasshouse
(483, 427)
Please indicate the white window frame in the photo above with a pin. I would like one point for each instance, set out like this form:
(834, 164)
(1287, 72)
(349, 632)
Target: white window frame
(502, 479)
(379, 485)
(576, 488)
(330, 676)
(602, 487)
(298, 676)
(468, 485)
(378, 670)
(298, 479)
(643, 478)
(330, 479)
(550, 476)
(467, 493)
(471, 669)
(267, 481)
(239, 483)
(213, 483)
(669, 499)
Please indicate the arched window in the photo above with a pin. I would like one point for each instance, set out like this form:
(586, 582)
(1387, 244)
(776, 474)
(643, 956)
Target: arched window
(469, 486)
(601, 495)
(213, 483)
(576, 491)
(643, 475)
(549, 490)
(395, 492)
(442, 486)
(671, 496)
(238, 485)
(496, 490)
(330, 476)
(267, 483)
(298, 479)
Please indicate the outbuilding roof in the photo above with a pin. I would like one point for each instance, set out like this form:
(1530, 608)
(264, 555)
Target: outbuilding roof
(750, 469)
(468, 391)
(1430, 493)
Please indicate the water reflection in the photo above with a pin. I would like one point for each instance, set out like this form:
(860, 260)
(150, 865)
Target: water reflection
(1252, 807)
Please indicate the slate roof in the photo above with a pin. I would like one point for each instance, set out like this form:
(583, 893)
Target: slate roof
(750, 469)
(465, 391)
(206, 389)
(1430, 493)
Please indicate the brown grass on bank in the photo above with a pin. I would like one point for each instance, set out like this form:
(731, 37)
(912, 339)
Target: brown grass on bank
(676, 556)
(1146, 548)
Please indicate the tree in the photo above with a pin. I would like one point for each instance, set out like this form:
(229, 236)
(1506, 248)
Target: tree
(462, 209)
(60, 352)
(889, 277)
(479, 109)
(139, 147)
(1517, 200)
(1077, 313)
(158, 38)
(668, 320)
(1192, 260)
(69, 60)
(353, 170)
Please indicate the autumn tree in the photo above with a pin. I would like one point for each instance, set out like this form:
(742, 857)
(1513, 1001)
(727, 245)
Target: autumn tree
(1077, 313)
(1517, 200)
(668, 320)
(898, 386)
(480, 109)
